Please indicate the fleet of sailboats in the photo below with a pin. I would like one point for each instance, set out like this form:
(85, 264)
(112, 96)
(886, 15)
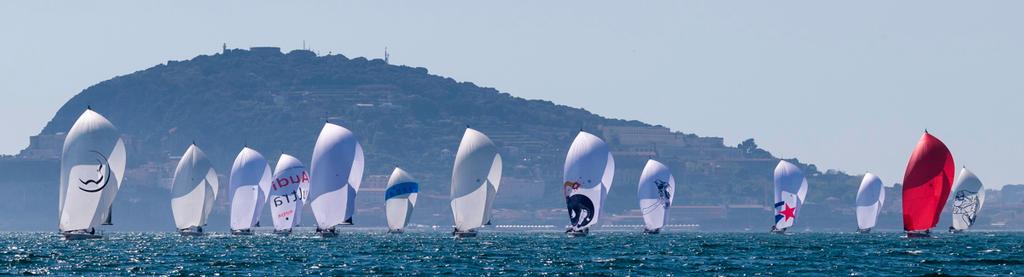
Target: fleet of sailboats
(94, 156)
(336, 173)
(589, 169)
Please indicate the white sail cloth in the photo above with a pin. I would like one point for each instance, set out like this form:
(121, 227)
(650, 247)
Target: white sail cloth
(870, 197)
(400, 199)
(968, 197)
(790, 192)
(288, 191)
(92, 171)
(655, 192)
(336, 173)
(248, 188)
(588, 173)
(476, 178)
(193, 189)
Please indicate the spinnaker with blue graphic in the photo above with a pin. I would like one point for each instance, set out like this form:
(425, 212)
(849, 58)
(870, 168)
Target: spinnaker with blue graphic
(248, 188)
(91, 172)
(336, 173)
(193, 190)
(588, 172)
(400, 199)
(790, 192)
(475, 180)
(968, 197)
(870, 197)
(655, 191)
(288, 191)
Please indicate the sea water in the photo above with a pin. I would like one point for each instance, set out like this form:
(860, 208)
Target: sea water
(509, 253)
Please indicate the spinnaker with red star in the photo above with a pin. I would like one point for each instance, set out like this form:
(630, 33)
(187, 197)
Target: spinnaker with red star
(790, 191)
(926, 185)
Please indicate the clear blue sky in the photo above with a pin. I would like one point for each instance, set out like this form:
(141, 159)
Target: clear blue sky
(847, 85)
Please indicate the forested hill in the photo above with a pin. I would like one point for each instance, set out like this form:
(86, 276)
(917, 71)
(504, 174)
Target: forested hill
(277, 102)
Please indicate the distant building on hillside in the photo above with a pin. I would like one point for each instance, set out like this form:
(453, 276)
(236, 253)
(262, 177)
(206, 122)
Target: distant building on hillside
(44, 147)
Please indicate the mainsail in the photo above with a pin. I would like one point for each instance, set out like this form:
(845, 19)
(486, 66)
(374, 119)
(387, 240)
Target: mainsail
(91, 172)
(926, 184)
(655, 191)
(589, 169)
(193, 189)
(400, 199)
(287, 192)
(870, 197)
(790, 192)
(336, 173)
(968, 197)
(249, 186)
(475, 180)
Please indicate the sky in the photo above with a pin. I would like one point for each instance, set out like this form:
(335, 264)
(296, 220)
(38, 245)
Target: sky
(847, 85)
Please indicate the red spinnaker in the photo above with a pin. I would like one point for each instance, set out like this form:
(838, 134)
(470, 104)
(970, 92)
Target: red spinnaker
(926, 184)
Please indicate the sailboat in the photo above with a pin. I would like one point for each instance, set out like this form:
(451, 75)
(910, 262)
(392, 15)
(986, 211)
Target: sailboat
(870, 197)
(790, 193)
(400, 199)
(968, 197)
(336, 172)
(926, 185)
(91, 172)
(288, 191)
(589, 168)
(248, 189)
(655, 191)
(476, 177)
(193, 190)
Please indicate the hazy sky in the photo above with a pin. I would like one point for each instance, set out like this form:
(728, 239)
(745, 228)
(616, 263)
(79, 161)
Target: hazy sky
(847, 85)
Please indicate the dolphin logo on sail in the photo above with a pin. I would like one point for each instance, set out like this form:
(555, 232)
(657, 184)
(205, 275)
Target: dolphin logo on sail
(92, 177)
(581, 210)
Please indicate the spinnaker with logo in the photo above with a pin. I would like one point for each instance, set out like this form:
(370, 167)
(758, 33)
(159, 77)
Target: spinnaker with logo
(399, 199)
(336, 173)
(870, 197)
(248, 189)
(655, 191)
(588, 172)
(968, 197)
(193, 191)
(288, 191)
(926, 185)
(790, 193)
(476, 177)
(91, 172)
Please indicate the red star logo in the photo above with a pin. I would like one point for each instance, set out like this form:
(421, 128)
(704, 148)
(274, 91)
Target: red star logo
(788, 212)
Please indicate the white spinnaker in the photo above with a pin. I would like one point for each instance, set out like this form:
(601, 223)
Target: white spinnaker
(475, 180)
(588, 173)
(655, 192)
(193, 189)
(790, 191)
(400, 199)
(336, 173)
(967, 198)
(870, 197)
(249, 184)
(92, 171)
(287, 192)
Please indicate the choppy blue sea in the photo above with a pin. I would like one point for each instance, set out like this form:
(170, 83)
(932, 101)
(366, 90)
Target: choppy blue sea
(506, 253)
